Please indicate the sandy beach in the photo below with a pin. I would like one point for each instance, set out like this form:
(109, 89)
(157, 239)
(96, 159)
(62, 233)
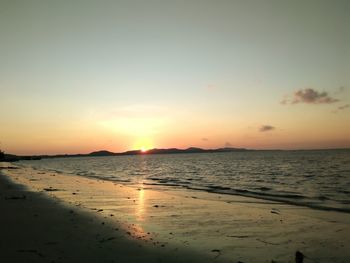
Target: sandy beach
(54, 217)
(175, 131)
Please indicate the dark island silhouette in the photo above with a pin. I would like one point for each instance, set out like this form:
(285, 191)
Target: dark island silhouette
(166, 151)
(11, 157)
(148, 152)
(4, 157)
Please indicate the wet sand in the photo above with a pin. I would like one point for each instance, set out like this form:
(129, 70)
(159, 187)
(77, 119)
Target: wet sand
(66, 218)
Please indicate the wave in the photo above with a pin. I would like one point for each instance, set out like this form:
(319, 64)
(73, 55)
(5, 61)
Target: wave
(286, 177)
(263, 193)
(286, 198)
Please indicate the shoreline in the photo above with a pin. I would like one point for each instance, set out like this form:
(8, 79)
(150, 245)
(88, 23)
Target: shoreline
(214, 227)
(258, 196)
(296, 180)
(39, 228)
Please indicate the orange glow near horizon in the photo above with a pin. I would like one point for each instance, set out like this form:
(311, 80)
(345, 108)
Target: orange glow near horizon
(195, 131)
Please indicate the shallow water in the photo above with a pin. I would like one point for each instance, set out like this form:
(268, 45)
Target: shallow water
(317, 179)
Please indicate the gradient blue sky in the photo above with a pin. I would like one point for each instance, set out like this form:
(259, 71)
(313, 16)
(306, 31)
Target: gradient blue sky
(77, 76)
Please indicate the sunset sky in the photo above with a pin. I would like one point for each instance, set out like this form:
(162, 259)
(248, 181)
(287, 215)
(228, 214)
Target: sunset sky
(78, 76)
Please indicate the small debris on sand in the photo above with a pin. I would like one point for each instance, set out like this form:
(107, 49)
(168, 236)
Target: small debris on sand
(299, 257)
(50, 189)
(275, 211)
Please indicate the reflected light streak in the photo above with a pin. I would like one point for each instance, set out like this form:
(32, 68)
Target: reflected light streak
(137, 229)
(140, 208)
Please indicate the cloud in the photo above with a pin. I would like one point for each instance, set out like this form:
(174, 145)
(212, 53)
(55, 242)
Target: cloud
(284, 101)
(341, 89)
(265, 128)
(211, 88)
(344, 107)
(205, 139)
(340, 108)
(310, 96)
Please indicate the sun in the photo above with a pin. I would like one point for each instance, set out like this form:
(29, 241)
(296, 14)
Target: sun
(143, 149)
(143, 144)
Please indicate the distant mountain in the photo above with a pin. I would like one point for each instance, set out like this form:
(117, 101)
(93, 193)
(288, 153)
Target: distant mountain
(9, 157)
(176, 151)
(151, 151)
(101, 153)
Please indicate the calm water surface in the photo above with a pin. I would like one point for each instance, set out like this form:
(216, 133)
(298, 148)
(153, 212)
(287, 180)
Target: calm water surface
(317, 179)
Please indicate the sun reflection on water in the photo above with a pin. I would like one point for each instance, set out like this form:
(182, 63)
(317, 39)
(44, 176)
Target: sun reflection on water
(140, 207)
(137, 229)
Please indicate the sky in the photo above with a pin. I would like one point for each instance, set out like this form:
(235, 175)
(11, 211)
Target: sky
(78, 75)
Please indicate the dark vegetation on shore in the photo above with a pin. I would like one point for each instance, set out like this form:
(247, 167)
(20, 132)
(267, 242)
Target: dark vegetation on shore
(4, 157)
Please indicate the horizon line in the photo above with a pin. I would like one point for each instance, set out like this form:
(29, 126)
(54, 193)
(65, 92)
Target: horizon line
(183, 149)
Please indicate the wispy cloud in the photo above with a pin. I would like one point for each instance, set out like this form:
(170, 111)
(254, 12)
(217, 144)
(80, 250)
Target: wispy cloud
(344, 107)
(341, 89)
(211, 88)
(310, 96)
(266, 128)
(340, 108)
(205, 139)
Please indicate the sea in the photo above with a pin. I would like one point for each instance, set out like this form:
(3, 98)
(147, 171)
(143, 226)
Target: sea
(319, 179)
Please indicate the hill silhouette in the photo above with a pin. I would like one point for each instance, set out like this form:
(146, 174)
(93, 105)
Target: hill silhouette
(132, 152)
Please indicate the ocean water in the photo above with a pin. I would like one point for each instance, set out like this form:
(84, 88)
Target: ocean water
(316, 179)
